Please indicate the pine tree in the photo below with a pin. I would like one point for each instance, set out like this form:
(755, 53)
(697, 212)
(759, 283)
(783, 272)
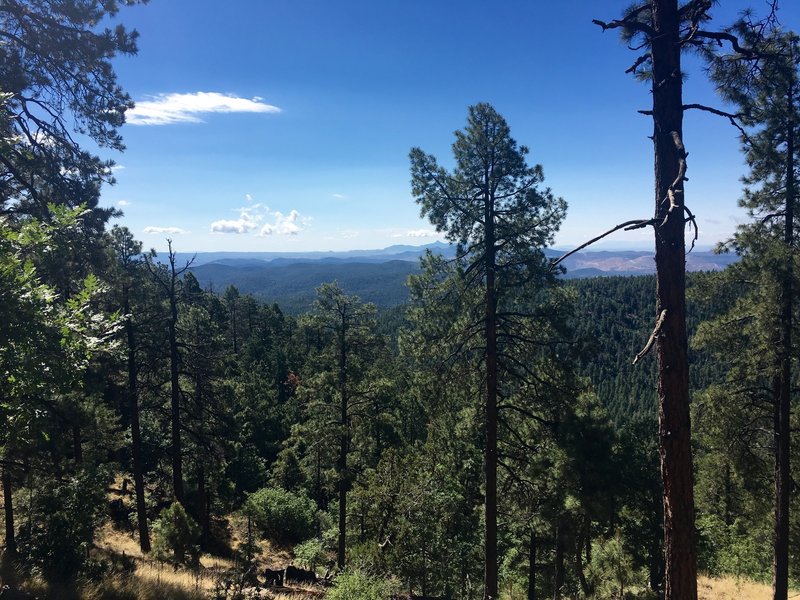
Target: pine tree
(765, 88)
(662, 30)
(492, 207)
(342, 385)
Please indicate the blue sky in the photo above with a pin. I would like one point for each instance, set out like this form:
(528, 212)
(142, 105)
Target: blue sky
(285, 125)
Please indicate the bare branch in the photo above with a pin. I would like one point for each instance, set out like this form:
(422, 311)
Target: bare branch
(730, 116)
(639, 61)
(653, 336)
(627, 226)
(722, 36)
(629, 21)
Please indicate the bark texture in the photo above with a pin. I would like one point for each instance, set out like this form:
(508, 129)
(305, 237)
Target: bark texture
(782, 416)
(490, 452)
(671, 344)
(136, 434)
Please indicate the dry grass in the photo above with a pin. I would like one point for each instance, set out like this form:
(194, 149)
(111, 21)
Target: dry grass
(732, 588)
(201, 581)
(112, 540)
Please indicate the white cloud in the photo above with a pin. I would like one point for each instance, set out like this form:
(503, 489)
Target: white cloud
(167, 230)
(339, 196)
(249, 219)
(348, 234)
(166, 109)
(122, 203)
(291, 224)
(417, 233)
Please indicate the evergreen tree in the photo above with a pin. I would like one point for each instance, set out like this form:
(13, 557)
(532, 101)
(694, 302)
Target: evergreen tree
(55, 66)
(342, 384)
(490, 204)
(662, 30)
(766, 90)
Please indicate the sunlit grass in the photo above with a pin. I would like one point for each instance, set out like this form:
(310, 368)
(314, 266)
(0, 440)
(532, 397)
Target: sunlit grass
(733, 588)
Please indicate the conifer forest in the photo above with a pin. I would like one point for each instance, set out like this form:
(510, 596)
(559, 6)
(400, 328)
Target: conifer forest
(505, 433)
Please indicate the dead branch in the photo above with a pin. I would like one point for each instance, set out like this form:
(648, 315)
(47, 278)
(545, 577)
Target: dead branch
(639, 61)
(691, 219)
(721, 113)
(627, 226)
(653, 336)
(676, 187)
(629, 21)
(721, 36)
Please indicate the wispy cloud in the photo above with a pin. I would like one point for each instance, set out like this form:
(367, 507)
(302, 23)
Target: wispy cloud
(417, 233)
(122, 203)
(167, 230)
(166, 109)
(339, 196)
(290, 224)
(249, 219)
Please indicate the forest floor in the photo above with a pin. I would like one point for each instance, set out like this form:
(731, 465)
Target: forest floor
(733, 588)
(138, 577)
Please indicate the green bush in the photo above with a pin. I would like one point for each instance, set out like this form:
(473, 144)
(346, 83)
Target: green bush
(176, 536)
(310, 554)
(741, 548)
(611, 571)
(64, 515)
(358, 585)
(282, 516)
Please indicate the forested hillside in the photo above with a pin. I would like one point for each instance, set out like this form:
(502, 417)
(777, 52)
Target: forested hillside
(475, 425)
(614, 318)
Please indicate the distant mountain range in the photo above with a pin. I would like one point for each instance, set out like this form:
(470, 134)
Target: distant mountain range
(379, 276)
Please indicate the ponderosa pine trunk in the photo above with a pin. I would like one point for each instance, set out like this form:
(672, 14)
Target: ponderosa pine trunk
(490, 452)
(671, 344)
(8, 512)
(782, 416)
(558, 577)
(343, 444)
(175, 391)
(532, 566)
(136, 434)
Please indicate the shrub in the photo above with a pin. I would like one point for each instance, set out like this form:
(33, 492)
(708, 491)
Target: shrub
(310, 554)
(176, 536)
(358, 585)
(64, 517)
(282, 516)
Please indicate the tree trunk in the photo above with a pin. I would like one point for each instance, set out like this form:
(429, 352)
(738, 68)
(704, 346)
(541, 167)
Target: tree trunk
(532, 566)
(558, 578)
(782, 416)
(490, 453)
(136, 434)
(8, 510)
(343, 443)
(671, 347)
(202, 512)
(175, 392)
(580, 540)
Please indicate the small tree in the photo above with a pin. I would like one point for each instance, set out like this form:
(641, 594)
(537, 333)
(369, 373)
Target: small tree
(177, 535)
